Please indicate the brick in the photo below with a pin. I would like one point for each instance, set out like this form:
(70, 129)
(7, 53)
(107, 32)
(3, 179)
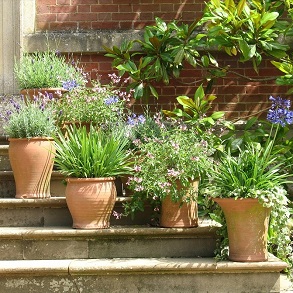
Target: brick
(62, 26)
(83, 8)
(105, 25)
(63, 9)
(104, 16)
(46, 18)
(44, 9)
(46, 2)
(105, 8)
(85, 2)
(63, 2)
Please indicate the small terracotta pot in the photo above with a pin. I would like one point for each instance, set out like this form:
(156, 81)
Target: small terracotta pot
(32, 163)
(31, 93)
(247, 224)
(179, 214)
(91, 201)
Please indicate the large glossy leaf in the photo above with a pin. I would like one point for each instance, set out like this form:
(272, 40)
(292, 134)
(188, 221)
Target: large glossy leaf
(268, 17)
(179, 56)
(217, 115)
(248, 51)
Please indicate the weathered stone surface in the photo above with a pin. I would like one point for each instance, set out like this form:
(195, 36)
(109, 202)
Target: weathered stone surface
(116, 242)
(140, 275)
(55, 249)
(82, 41)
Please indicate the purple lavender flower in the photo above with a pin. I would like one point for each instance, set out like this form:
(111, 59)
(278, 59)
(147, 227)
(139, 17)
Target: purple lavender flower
(279, 112)
(111, 100)
(69, 84)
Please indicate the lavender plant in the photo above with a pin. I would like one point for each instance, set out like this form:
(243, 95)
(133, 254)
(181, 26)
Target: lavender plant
(48, 70)
(29, 119)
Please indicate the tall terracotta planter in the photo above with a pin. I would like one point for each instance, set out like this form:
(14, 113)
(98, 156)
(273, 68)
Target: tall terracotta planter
(178, 214)
(247, 224)
(32, 163)
(91, 201)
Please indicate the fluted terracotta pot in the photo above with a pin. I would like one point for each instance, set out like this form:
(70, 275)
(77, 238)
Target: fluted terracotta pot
(32, 163)
(91, 201)
(178, 214)
(247, 224)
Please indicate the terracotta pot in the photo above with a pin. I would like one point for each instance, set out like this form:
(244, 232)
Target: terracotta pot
(32, 163)
(178, 214)
(91, 201)
(66, 125)
(31, 93)
(247, 223)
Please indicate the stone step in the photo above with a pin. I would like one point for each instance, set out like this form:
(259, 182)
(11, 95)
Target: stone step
(7, 184)
(145, 275)
(19, 243)
(54, 212)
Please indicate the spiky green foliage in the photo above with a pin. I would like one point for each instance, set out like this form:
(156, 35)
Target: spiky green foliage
(92, 154)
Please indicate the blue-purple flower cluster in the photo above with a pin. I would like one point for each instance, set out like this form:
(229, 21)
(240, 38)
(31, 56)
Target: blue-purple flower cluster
(69, 84)
(111, 100)
(279, 112)
(135, 120)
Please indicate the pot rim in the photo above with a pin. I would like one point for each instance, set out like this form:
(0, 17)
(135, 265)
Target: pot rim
(104, 179)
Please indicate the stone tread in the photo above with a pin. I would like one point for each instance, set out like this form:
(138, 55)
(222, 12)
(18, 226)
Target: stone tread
(206, 228)
(137, 265)
(58, 201)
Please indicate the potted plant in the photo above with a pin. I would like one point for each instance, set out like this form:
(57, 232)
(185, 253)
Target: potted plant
(48, 72)
(249, 188)
(29, 127)
(100, 105)
(91, 160)
(167, 172)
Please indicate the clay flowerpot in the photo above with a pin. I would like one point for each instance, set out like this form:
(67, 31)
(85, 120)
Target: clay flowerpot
(65, 125)
(55, 93)
(247, 224)
(178, 214)
(32, 163)
(91, 201)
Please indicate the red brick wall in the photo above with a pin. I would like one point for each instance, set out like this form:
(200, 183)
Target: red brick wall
(238, 96)
(111, 14)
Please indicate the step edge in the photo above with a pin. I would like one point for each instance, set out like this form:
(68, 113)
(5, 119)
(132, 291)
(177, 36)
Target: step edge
(77, 267)
(54, 201)
(207, 231)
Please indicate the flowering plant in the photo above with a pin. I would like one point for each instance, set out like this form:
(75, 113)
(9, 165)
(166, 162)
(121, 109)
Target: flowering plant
(29, 119)
(99, 104)
(257, 172)
(178, 155)
(141, 127)
(48, 70)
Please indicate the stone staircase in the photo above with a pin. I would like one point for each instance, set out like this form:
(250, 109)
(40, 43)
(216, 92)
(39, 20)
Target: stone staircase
(40, 252)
